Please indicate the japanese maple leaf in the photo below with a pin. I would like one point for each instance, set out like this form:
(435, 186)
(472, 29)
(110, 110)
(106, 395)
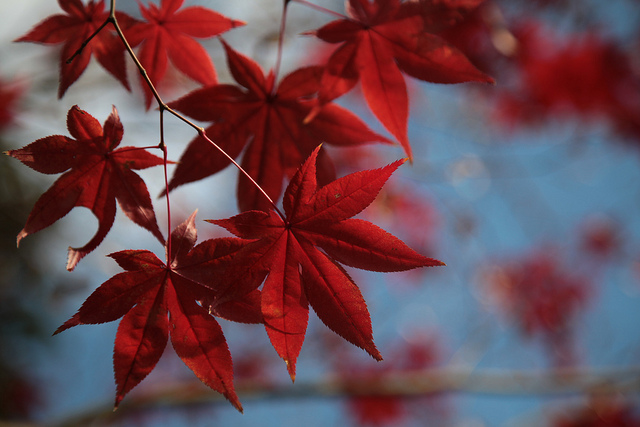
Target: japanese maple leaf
(169, 33)
(74, 28)
(270, 121)
(303, 252)
(378, 42)
(97, 175)
(159, 300)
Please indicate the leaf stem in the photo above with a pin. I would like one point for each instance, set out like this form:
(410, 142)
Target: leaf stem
(149, 147)
(162, 106)
(283, 25)
(321, 9)
(232, 160)
(165, 151)
(86, 42)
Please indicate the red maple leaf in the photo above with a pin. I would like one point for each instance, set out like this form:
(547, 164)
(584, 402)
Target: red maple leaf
(271, 120)
(169, 33)
(98, 175)
(159, 300)
(74, 28)
(303, 252)
(379, 41)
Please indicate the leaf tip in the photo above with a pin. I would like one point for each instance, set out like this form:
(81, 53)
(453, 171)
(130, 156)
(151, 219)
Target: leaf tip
(119, 397)
(236, 404)
(74, 256)
(23, 233)
(238, 23)
(373, 351)
(73, 321)
(291, 368)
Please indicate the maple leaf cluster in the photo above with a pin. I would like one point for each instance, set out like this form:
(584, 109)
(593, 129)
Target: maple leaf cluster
(167, 32)
(270, 121)
(580, 75)
(380, 41)
(280, 263)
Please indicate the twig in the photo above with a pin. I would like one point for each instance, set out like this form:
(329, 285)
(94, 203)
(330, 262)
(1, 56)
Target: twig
(554, 383)
(162, 106)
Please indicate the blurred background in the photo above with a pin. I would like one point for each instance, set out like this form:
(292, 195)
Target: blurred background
(527, 190)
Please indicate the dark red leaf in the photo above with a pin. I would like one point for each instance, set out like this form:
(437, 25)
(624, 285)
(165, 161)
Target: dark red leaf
(379, 40)
(168, 33)
(159, 301)
(97, 175)
(75, 28)
(301, 254)
(270, 122)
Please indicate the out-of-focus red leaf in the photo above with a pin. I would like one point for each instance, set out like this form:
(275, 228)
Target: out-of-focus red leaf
(603, 411)
(168, 33)
(9, 94)
(582, 75)
(601, 236)
(97, 174)
(74, 28)
(541, 298)
(303, 251)
(419, 354)
(270, 121)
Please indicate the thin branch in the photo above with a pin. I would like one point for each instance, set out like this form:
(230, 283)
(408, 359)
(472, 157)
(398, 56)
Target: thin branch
(283, 25)
(164, 149)
(569, 381)
(321, 9)
(164, 107)
(86, 42)
(203, 134)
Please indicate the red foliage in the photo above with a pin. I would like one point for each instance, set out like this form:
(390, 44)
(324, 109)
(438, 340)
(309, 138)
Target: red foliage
(476, 33)
(379, 41)
(74, 28)
(280, 264)
(377, 410)
(270, 120)
(97, 176)
(299, 273)
(601, 236)
(168, 33)
(541, 298)
(582, 75)
(600, 412)
(176, 299)
(390, 410)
